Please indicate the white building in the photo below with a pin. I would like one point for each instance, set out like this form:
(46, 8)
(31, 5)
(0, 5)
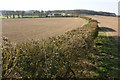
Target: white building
(56, 14)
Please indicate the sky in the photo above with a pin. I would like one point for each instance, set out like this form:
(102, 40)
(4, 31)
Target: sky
(97, 5)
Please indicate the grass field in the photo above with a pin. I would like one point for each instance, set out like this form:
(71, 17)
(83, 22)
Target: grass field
(1, 17)
(107, 59)
(26, 16)
(19, 30)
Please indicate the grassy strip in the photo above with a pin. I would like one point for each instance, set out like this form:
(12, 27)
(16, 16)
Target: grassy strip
(106, 59)
(35, 16)
(62, 56)
(87, 18)
(2, 17)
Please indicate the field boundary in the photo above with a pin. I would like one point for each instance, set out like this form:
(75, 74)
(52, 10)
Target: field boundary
(55, 57)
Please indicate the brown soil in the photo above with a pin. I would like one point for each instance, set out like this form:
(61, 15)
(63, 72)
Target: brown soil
(20, 30)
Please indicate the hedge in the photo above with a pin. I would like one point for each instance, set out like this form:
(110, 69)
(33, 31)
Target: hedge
(56, 57)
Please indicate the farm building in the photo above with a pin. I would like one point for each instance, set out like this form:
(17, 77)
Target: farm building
(56, 14)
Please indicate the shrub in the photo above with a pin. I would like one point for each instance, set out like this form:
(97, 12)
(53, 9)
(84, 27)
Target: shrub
(52, 58)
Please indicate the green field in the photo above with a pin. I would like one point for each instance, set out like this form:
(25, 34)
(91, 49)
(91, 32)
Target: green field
(107, 59)
(26, 16)
(1, 17)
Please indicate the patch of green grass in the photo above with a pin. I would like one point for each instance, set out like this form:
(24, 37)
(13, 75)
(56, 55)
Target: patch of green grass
(30, 16)
(106, 59)
(106, 44)
(2, 17)
(26, 16)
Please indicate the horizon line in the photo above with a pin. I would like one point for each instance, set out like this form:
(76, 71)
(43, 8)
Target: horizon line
(56, 10)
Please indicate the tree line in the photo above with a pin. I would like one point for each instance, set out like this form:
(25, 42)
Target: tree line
(22, 14)
(37, 13)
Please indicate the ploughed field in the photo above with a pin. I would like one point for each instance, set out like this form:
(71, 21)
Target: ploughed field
(109, 24)
(21, 30)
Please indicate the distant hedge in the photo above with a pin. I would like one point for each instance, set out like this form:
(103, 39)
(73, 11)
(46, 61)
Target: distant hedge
(56, 57)
(87, 18)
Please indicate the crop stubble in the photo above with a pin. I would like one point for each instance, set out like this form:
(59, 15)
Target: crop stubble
(20, 30)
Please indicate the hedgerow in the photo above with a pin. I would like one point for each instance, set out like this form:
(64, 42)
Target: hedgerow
(56, 57)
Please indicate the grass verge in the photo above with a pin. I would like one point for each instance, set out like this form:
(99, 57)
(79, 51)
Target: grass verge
(106, 59)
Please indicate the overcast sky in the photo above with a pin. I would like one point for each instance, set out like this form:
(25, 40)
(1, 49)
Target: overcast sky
(98, 5)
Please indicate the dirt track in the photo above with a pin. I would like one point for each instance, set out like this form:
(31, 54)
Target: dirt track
(19, 30)
(108, 23)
